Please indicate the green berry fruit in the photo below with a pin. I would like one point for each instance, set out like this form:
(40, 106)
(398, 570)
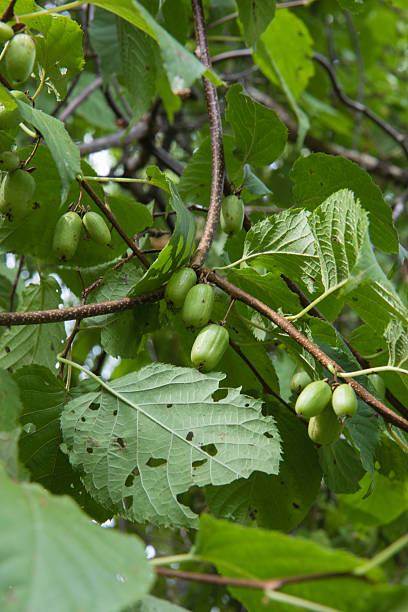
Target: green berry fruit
(209, 346)
(16, 193)
(178, 286)
(9, 161)
(299, 381)
(324, 428)
(198, 306)
(20, 95)
(9, 119)
(232, 214)
(379, 385)
(66, 235)
(20, 57)
(344, 401)
(313, 399)
(96, 228)
(6, 32)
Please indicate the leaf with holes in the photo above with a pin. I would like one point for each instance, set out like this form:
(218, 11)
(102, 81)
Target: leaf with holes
(149, 436)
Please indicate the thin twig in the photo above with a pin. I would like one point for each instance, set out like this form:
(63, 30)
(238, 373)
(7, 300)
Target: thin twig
(314, 350)
(222, 57)
(264, 585)
(14, 287)
(35, 317)
(62, 102)
(9, 12)
(396, 135)
(109, 215)
(119, 139)
(361, 75)
(33, 152)
(217, 149)
(96, 84)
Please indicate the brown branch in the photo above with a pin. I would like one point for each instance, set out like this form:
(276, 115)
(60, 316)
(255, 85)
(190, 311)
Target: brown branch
(109, 215)
(80, 312)
(264, 585)
(96, 84)
(119, 139)
(368, 162)
(217, 149)
(14, 287)
(395, 134)
(9, 12)
(5, 82)
(361, 360)
(317, 353)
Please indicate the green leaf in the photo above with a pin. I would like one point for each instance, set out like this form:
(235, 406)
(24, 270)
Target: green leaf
(260, 136)
(157, 432)
(248, 553)
(94, 109)
(178, 249)
(255, 17)
(153, 604)
(26, 344)
(389, 496)
(103, 33)
(122, 336)
(140, 63)
(59, 51)
(355, 6)
(103, 570)
(274, 501)
(10, 408)
(287, 43)
(318, 175)
(64, 152)
(341, 466)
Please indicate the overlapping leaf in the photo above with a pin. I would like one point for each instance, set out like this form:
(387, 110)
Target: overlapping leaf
(255, 17)
(58, 560)
(157, 432)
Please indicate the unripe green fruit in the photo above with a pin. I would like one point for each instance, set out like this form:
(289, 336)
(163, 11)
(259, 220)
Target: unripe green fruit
(344, 401)
(209, 346)
(96, 228)
(9, 161)
(16, 192)
(178, 286)
(299, 381)
(20, 57)
(232, 214)
(324, 428)
(313, 399)
(66, 235)
(378, 384)
(198, 305)
(6, 32)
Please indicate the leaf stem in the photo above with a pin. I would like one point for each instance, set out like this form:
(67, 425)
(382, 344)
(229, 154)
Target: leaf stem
(316, 301)
(383, 556)
(114, 179)
(386, 368)
(173, 559)
(56, 9)
(397, 439)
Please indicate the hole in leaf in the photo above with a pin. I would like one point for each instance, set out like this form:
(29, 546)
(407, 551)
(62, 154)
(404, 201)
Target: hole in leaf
(211, 449)
(189, 436)
(197, 464)
(83, 419)
(89, 449)
(120, 442)
(7, 349)
(295, 505)
(129, 480)
(115, 412)
(246, 405)
(169, 405)
(153, 462)
(268, 435)
(94, 406)
(219, 394)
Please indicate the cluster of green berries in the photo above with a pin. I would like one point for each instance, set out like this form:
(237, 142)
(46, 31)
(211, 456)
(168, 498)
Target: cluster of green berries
(68, 232)
(196, 302)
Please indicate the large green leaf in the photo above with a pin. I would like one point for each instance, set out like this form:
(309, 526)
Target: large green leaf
(250, 553)
(10, 409)
(318, 175)
(255, 17)
(319, 250)
(58, 560)
(274, 501)
(287, 44)
(152, 434)
(260, 135)
(26, 344)
(140, 63)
